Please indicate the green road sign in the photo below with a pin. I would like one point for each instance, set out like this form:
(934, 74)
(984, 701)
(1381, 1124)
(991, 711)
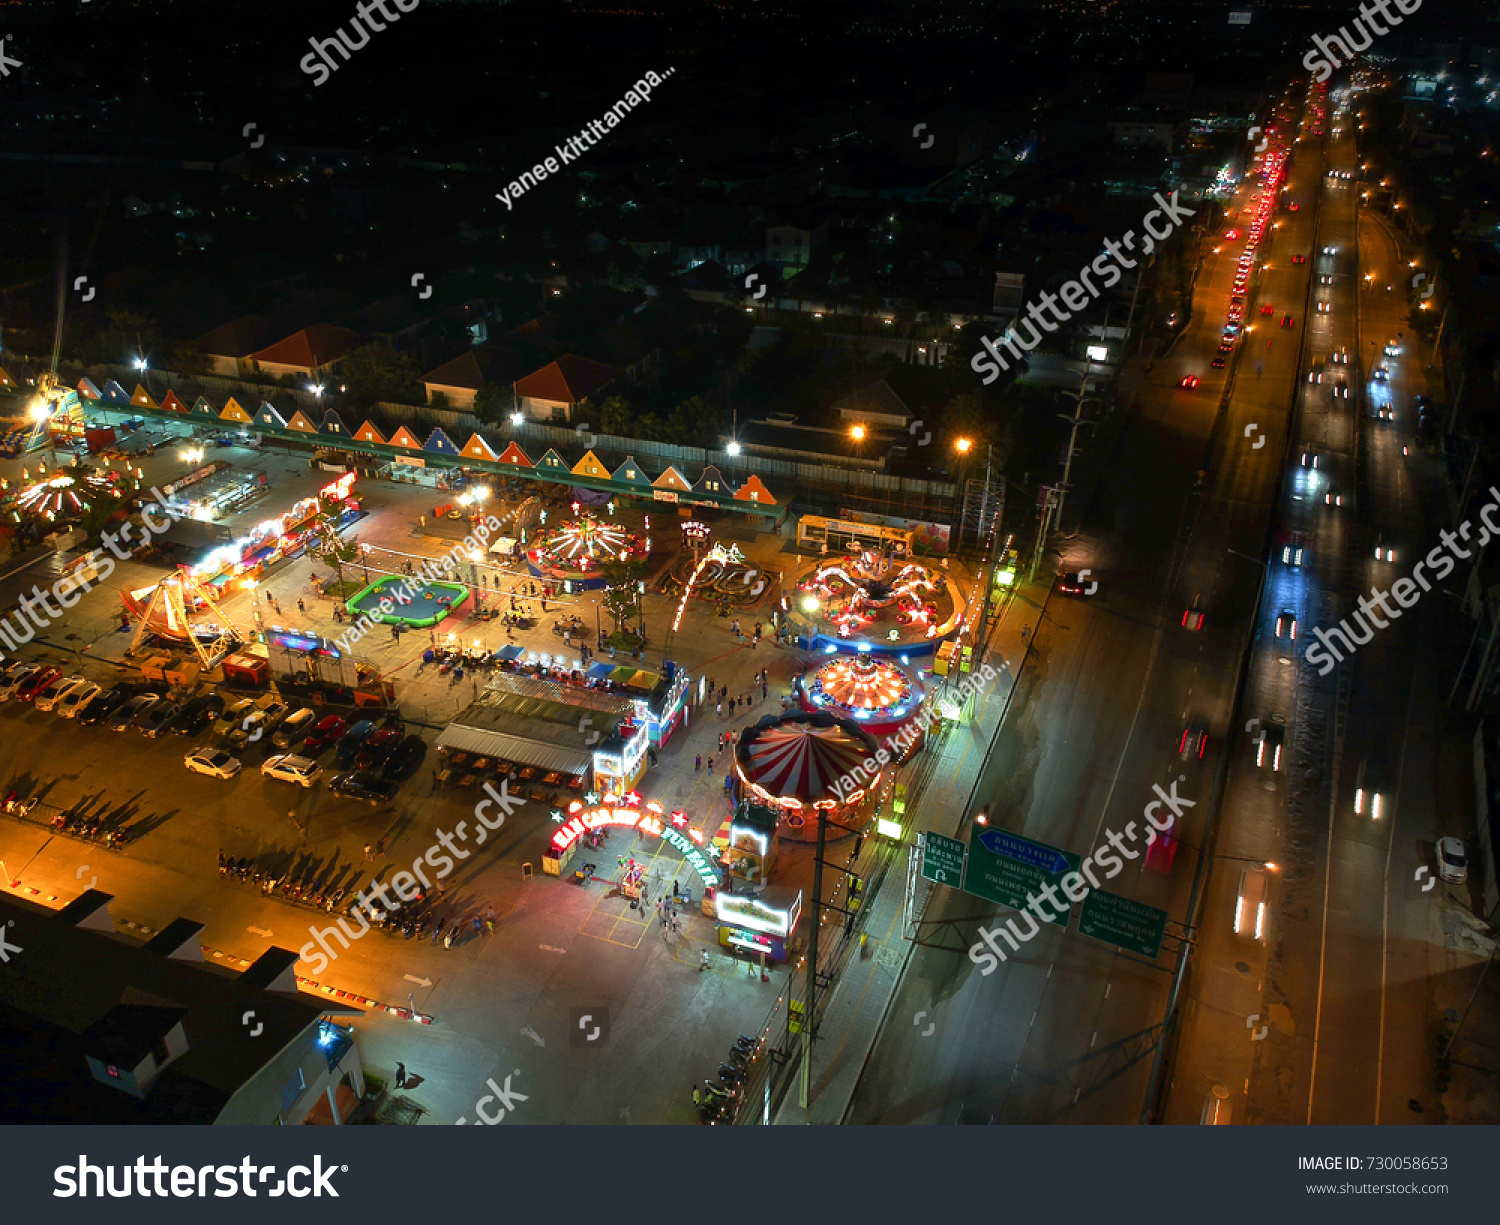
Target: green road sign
(1123, 922)
(943, 860)
(1005, 868)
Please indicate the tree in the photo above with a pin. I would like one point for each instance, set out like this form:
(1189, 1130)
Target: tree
(622, 592)
(616, 417)
(126, 336)
(188, 358)
(491, 401)
(439, 399)
(325, 543)
(378, 372)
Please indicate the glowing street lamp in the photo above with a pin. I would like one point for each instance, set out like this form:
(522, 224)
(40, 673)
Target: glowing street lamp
(733, 448)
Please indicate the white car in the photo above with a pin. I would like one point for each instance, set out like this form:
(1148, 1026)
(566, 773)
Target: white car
(15, 679)
(1324, 308)
(1341, 357)
(1250, 904)
(1453, 860)
(1330, 250)
(214, 762)
(292, 769)
(77, 698)
(54, 693)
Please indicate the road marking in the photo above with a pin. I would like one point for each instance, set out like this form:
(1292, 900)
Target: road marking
(1092, 1040)
(260, 931)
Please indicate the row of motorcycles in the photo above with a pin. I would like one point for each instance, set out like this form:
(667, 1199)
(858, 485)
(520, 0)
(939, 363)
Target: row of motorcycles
(721, 1098)
(93, 831)
(315, 891)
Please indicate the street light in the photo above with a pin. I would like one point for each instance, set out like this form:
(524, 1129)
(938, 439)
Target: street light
(857, 433)
(733, 448)
(517, 419)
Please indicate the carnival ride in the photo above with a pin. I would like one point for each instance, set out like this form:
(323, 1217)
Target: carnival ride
(792, 766)
(871, 598)
(875, 692)
(182, 609)
(576, 552)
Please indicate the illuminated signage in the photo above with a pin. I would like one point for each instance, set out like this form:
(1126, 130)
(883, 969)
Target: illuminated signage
(629, 812)
(339, 489)
(754, 915)
(887, 828)
(1097, 353)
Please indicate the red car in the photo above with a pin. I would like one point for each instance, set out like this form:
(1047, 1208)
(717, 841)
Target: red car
(1161, 848)
(1189, 380)
(33, 685)
(377, 748)
(1287, 321)
(328, 731)
(1268, 309)
(1299, 259)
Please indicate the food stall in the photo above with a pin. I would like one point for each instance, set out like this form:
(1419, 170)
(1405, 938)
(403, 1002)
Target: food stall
(763, 924)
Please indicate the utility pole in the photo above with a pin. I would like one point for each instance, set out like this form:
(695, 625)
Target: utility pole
(804, 1091)
(984, 498)
(1078, 398)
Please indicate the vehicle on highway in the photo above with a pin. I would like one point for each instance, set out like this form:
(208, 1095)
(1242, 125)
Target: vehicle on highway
(1324, 279)
(1293, 550)
(1381, 374)
(1369, 790)
(328, 730)
(156, 720)
(233, 715)
(373, 752)
(292, 769)
(1188, 380)
(1452, 860)
(1299, 259)
(1287, 321)
(1218, 363)
(1333, 498)
(1294, 206)
(1330, 250)
(294, 728)
(1268, 308)
(1250, 904)
(1341, 391)
(1286, 626)
(352, 740)
(1382, 412)
(405, 761)
(1074, 584)
(75, 699)
(35, 682)
(1194, 740)
(1324, 308)
(101, 706)
(216, 763)
(1392, 347)
(1268, 746)
(1192, 618)
(362, 785)
(1161, 847)
(47, 700)
(1383, 551)
(1310, 459)
(1226, 346)
(198, 714)
(1315, 375)
(132, 710)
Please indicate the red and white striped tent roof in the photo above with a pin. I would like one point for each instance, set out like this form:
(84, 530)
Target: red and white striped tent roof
(800, 756)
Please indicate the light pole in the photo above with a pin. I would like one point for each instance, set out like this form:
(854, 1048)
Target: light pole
(1079, 399)
(962, 446)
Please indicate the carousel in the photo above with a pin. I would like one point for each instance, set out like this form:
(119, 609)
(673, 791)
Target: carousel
(870, 601)
(875, 692)
(576, 552)
(788, 767)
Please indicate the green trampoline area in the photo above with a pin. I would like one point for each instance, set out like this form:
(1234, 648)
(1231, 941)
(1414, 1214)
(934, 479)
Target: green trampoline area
(427, 604)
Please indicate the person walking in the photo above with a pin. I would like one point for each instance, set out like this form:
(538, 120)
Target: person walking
(380, 849)
(478, 926)
(765, 691)
(710, 765)
(269, 600)
(703, 965)
(697, 1093)
(436, 932)
(301, 607)
(448, 939)
(369, 858)
(673, 914)
(400, 1075)
(698, 762)
(676, 891)
(719, 709)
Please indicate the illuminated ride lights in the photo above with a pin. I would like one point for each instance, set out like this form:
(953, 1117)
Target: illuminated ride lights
(60, 494)
(629, 811)
(585, 544)
(723, 556)
(861, 687)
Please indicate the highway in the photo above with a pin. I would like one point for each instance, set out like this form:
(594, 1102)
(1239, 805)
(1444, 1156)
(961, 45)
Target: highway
(1063, 1029)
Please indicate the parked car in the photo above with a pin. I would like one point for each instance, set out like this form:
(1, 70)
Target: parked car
(28, 689)
(289, 769)
(257, 724)
(233, 715)
(405, 761)
(328, 730)
(214, 762)
(101, 706)
(376, 749)
(353, 740)
(294, 728)
(15, 678)
(362, 785)
(47, 700)
(198, 714)
(1452, 860)
(132, 710)
(76, 699)
(156, 720)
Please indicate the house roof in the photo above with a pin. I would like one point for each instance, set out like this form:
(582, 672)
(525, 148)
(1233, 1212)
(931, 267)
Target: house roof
(472, 369)
(237, 338)
(567, 380)
(875, 399)
(315, 346)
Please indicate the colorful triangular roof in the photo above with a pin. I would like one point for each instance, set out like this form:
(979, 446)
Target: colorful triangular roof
(332, 423)
(672, 479)
(202, 408)
(88, 389)
(754, 491)
(477, 448)
(142, 398)
(514, 455)
(553, 462)
(589, 465)
(172, 404)
(403, 438)
(368, 433)
(299, 422)
(439, 443)
(631, 473)
(234, 412)
(114, 393)
(267, 415)
(712, 481)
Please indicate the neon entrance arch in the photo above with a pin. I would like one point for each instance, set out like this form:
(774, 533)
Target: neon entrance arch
(648, 817)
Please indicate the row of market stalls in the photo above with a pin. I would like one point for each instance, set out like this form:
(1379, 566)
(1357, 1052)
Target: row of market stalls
(403, 448)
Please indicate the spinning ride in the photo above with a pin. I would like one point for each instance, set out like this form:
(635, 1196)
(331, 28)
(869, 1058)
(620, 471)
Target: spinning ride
(874, 602)
(575, 552)
(790, 767)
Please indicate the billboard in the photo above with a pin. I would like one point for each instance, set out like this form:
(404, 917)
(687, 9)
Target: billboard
(1240, 17)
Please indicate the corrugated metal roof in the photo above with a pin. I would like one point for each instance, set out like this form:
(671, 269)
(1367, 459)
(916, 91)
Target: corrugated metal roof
(517, 749)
